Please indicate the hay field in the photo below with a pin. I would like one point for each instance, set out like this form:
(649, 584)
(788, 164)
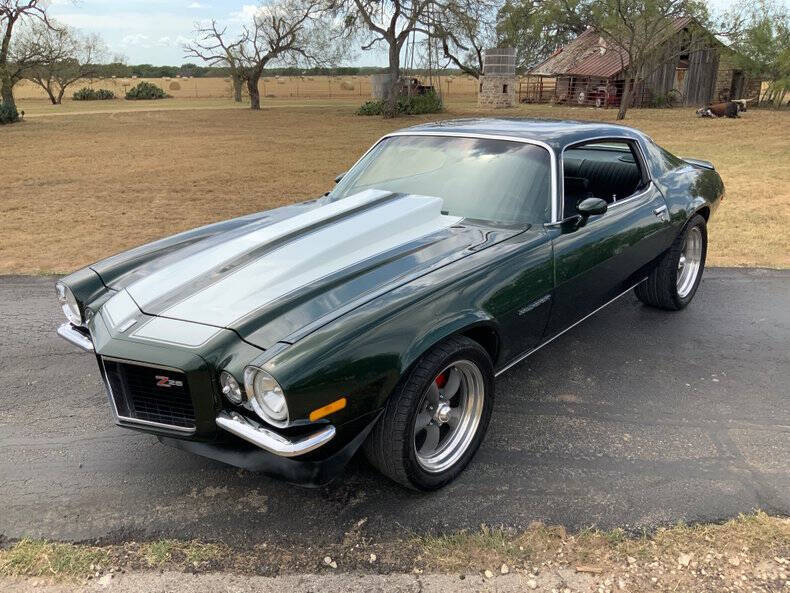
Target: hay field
(305, 87)
(78, 187)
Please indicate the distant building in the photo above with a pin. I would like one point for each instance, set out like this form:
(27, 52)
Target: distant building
(498, 82)
(590, 71)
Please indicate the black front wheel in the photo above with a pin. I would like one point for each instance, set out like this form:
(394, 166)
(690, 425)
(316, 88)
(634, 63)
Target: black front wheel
(436, 418)
(674, 282)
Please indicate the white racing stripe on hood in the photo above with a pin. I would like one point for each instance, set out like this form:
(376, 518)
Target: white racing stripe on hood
(313, 256)
(152, 287)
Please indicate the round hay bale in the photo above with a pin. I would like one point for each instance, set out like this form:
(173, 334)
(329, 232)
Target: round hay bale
(280, 81)
(174, 86)
(346, 86)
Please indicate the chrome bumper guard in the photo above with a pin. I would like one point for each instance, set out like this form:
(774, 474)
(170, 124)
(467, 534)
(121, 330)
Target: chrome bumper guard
(266, 439)
(75, 336)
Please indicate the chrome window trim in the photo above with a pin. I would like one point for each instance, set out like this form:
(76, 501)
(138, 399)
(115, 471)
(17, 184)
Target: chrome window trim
(552, 155)
(529, 353)
(640, 156)
(137, 421)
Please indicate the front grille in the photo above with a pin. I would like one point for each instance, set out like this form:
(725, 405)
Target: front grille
(149, 394)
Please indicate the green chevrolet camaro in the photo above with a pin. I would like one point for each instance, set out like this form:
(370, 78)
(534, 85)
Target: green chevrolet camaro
(379, 315)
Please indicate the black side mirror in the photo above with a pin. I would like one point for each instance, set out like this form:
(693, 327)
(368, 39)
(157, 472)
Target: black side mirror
(339, 177)
(590, 207)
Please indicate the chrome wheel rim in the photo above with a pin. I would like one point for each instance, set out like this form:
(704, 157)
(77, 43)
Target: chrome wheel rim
(448, 416)
(690, 262)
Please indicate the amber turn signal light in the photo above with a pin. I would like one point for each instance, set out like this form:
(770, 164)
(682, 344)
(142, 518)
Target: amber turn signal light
(336, 405)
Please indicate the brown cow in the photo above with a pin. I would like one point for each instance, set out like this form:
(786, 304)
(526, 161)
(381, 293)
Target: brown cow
(728, 109)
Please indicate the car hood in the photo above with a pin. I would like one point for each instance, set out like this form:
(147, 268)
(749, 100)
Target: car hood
(270, 281)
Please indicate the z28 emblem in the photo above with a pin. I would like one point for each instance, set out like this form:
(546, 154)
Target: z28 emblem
(162, 381)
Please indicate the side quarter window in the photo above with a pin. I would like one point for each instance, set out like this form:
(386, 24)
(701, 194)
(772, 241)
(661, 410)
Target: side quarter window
(606, 169)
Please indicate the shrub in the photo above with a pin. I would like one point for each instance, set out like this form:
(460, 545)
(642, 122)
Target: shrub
(412, 105)
(145, 91)
(8, 114)
(89, 94)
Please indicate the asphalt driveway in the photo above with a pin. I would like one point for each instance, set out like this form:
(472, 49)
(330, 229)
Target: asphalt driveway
(634, 419)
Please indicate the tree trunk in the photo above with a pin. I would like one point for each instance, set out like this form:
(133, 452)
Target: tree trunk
(624, 100)
(237, 82)
(61, 92)
(6, 88)
(6, 82)
(391, 92)
(53, 99)
(252, 88)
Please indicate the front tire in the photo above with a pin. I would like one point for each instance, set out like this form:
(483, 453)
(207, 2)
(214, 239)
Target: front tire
(436, 418)
(674, 282)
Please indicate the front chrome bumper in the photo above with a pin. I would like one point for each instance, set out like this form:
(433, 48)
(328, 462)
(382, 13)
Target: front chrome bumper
(79, 338)
(266, 439)
(234, 423)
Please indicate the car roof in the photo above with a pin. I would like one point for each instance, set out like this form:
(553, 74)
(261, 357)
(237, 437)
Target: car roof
(557, 133)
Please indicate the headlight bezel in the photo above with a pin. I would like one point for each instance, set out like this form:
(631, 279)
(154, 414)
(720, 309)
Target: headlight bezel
(70, 305)
(258, 401)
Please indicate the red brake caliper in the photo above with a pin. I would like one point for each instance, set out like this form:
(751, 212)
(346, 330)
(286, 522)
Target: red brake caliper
(441, 380)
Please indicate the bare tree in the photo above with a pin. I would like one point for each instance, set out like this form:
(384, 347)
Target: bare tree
(65, 58)
(212, 48)
(12, 67)
(286, 32)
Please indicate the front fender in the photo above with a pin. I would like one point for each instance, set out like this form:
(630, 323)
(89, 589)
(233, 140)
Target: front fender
(462, 322)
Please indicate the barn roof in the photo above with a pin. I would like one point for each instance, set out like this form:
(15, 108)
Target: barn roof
(591, 55)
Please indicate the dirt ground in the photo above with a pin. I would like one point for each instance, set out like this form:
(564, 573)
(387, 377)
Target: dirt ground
(745, 554)
(76, 187)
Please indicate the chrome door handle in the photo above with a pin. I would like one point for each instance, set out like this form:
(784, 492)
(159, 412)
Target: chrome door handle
(661, 212)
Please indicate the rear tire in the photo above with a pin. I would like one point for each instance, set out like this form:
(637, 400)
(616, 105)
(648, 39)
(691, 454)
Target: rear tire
(436, 418)
(674, 282)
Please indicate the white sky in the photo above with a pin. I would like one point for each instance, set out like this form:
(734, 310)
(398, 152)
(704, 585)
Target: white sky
(154, 31)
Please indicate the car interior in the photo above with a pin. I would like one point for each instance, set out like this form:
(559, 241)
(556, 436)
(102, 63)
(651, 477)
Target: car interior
(608, 170)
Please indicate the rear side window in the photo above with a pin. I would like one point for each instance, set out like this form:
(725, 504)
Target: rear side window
(608, 170)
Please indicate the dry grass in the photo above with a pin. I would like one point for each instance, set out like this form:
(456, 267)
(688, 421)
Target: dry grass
(750, 552)
(79, 187)
(356, 87)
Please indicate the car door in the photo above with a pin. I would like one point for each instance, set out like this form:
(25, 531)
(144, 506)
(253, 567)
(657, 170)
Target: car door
(596, 262)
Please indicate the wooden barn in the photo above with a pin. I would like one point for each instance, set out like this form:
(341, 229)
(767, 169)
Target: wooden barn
(589, 71)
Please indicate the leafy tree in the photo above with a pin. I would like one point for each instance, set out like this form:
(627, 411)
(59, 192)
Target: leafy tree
(14, 62)
(536, 28)
(763, 46)
(389, 23)
(65, 58)
(465, 29)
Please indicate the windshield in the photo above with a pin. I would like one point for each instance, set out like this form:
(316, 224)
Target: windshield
(497, 180)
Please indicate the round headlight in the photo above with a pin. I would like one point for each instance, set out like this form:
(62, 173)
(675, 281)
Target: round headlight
(266, 396)
(68, 303)
(231, 388)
